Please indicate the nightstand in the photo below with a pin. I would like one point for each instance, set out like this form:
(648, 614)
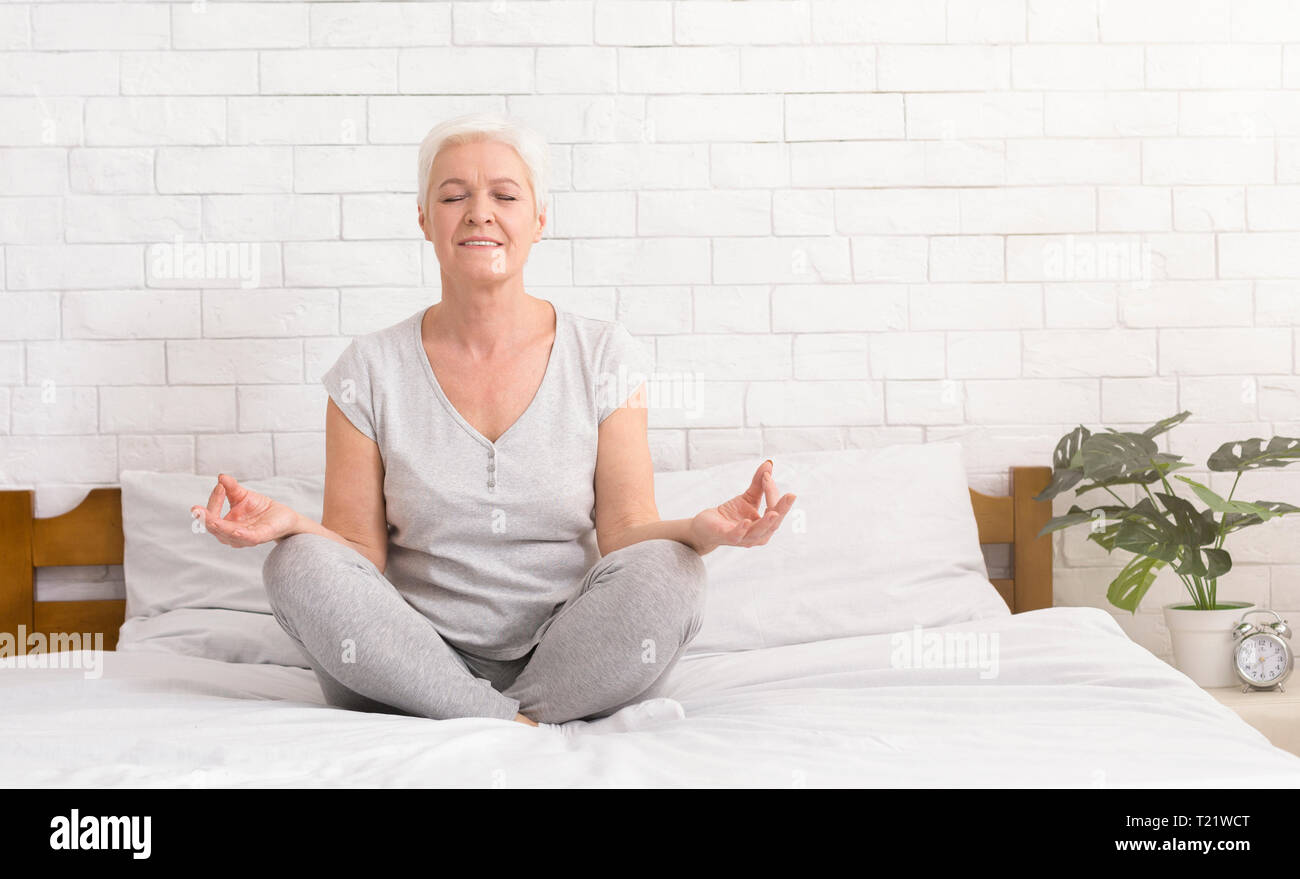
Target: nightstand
(1276, 715)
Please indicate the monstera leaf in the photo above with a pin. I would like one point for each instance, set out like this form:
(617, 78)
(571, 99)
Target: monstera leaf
(1127, 590)
(1108, 459)
(1164, 424)
(1237, 521)
(1066, 469)
(1149, 533)
(1146, 531)
(1193, 528)
(1114, 458)
(1218, 563)
(1280, 451)
(1078, 515)
(1105, 538)
(1163, 464)
(1262, 511)
(1194, 531)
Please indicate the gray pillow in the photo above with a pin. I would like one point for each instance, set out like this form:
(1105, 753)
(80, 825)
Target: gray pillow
(188, 593)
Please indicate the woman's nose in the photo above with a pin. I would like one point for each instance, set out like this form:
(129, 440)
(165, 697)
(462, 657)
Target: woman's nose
(478, 208)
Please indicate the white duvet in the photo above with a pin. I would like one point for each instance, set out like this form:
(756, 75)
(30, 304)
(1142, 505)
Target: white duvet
(1073, 703)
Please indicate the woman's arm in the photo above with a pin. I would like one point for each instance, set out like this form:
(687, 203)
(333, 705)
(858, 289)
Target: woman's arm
(354, 511)
(625, 481)
(625, 495)
(254, 519)
(672, 529)
(354, 500)
(305, 525)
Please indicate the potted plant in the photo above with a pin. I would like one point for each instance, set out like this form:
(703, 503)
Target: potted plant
(1189, 539)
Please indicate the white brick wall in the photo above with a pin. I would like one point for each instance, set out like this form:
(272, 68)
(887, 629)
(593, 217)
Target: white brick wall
(859, 221)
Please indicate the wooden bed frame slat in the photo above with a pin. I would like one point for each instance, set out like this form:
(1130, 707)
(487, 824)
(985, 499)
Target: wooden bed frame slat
(92, 534)
(17, 573)
(1031, 558)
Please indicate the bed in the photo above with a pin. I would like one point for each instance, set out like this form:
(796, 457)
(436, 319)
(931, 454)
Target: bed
(1071, 702)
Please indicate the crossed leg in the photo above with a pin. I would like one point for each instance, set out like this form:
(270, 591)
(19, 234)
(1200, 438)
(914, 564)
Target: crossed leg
(369, 648)
(611, 645)
(615, 642)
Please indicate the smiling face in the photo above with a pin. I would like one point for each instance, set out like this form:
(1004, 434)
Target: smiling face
(480, 190)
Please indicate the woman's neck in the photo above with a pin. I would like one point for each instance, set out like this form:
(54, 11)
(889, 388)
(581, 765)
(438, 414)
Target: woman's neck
(485, 326)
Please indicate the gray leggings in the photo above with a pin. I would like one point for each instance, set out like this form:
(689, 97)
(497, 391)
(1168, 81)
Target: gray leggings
(608, 647)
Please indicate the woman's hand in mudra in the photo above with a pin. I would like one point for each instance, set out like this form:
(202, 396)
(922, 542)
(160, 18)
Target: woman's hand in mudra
(739, 522)
(253, 518)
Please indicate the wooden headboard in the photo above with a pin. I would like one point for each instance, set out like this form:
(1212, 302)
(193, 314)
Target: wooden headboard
(91, 534)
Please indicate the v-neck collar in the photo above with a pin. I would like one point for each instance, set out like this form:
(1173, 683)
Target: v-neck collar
(460, 419)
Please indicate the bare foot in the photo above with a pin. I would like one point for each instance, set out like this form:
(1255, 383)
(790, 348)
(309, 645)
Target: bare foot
(638, 715)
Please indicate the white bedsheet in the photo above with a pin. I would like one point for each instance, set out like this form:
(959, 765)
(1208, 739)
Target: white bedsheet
(1075, 703)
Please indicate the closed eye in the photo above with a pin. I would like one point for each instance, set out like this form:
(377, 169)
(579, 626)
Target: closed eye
(459, 197)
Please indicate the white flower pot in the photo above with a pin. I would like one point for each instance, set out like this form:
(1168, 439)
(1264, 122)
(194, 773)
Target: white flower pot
(1202, 641)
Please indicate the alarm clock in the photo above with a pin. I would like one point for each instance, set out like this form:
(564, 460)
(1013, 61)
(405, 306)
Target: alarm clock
(1261, 654)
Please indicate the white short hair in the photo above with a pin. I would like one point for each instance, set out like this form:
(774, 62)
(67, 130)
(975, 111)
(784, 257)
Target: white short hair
(474, 127)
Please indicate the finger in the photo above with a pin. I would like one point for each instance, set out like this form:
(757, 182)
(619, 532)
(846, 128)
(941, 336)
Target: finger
(223, 529)
(754, 528)
(763, 528)
(754, 493)
(784, 505)
(776, 523)
(771, 521)
(735, 535)
(212, 524)
(769, 489)
(215, 499)
(234, 490)
(237, 535)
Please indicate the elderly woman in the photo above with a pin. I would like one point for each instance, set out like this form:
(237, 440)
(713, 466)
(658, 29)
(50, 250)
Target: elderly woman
(489, 544)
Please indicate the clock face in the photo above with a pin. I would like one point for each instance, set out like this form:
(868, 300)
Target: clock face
(1261, 659)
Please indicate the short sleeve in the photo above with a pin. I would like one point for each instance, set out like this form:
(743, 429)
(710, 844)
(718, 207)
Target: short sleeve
(625, 366)
(348, 384)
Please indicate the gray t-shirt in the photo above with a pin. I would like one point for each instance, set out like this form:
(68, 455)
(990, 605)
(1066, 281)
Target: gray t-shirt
(488, 540)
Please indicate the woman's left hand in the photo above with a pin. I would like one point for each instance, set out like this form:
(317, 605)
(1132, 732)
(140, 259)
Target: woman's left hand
(738, 522)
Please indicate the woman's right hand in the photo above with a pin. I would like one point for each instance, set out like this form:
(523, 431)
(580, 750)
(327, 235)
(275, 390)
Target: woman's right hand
(253, 518)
